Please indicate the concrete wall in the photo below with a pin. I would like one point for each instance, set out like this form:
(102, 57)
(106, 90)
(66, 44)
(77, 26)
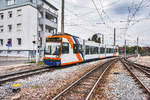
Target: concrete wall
(28, 19)
(28, 32)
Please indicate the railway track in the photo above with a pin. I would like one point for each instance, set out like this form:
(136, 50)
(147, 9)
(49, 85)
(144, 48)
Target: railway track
(83, 87)
(146, 68)
(21, 74)
(139, 73)
(142, 68)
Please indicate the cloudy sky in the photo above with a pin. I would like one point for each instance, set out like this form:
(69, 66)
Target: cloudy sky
(131, 18)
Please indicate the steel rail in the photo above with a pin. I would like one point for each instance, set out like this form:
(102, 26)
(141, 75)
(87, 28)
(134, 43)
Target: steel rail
(146, 68)
(143, 66)
(17, 76)
(143, 70)
(21, 72)
(146, 71)
(6, 77)
(74, 83)
(133, 75)
(98, 80)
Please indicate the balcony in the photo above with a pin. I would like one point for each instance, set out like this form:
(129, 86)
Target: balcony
(51, 12)
(45, 34)
(48, 23)
(54, 13)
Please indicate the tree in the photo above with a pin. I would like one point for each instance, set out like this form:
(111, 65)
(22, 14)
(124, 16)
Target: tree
(96, 39)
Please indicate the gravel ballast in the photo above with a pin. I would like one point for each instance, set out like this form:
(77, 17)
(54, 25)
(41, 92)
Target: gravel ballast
(143, 60)
(46, 85)
(18, 67)
(119, 85)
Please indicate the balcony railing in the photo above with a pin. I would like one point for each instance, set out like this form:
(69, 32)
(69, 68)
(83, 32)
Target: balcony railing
(48, 22)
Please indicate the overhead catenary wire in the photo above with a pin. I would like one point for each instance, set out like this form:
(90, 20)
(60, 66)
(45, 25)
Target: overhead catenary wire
(98, 11)
(104, 16)
(76, 15)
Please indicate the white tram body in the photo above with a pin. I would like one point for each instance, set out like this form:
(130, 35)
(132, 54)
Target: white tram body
(66, 49)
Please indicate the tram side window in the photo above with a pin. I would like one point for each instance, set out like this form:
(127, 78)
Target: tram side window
(92, 50)
(65, 48)
(116, 50)
(99, 50)
(102, 51)
(110, 50)
(77, 48)
(95, 50)
(87, 51)
(48, 50)
(107, 50)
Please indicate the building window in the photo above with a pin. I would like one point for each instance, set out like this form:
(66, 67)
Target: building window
(9, 52)
(9, 28)
(18, 52)
(1, 51)
(1, 29)
(31, 1)
(19, 27)
(9, 42)
(19, 12)
(19, 41)
(10, 14)
(10, 2)
(1, 42)
(1, 16)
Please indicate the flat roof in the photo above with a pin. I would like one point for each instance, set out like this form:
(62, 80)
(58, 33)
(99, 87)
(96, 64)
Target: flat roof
(65, 34)
(50, 4)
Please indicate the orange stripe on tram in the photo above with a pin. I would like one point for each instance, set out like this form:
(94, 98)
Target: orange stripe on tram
(102, 57)
(71, 43)
(79, 57)
(115, 54)
(52, 58)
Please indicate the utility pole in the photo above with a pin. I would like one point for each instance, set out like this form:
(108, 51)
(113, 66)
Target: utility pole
(62, 17)
(125, 50)
(38, 34)
(114, 36)
(137, 46)
(102, 38)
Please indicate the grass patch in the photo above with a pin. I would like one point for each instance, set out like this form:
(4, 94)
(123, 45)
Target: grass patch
(32, 62)
(40, 63)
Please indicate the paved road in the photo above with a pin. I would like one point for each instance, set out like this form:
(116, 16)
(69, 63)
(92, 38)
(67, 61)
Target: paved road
(6, 63)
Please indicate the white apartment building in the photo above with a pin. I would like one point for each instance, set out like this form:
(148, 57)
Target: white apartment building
(23, 23)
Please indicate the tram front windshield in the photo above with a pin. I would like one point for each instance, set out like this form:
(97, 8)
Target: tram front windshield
(53, 46)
